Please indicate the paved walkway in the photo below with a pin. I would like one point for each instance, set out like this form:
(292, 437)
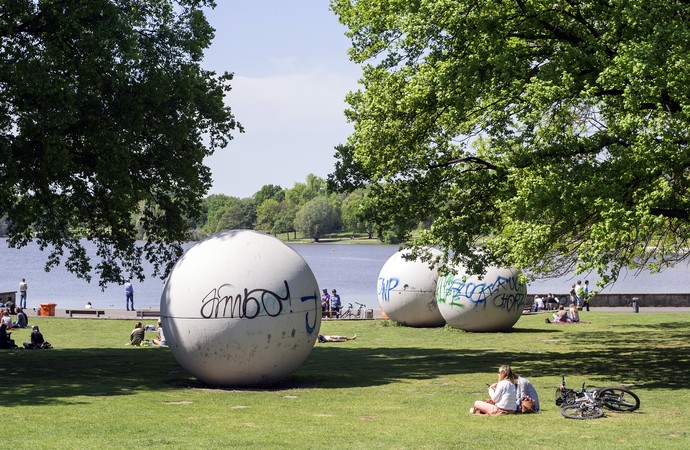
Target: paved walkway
(122, 314)
(628, 309)
(108, 313)
(649, 309)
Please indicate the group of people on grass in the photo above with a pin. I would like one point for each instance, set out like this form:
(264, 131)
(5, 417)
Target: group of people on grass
(579, 295)
(138, 335)
(571, 315)
(36, 340)
(511, 394)
(330, 303)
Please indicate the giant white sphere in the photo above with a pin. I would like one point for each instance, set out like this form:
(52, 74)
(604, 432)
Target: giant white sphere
(406, 291)
(493, 302)
(241, 308)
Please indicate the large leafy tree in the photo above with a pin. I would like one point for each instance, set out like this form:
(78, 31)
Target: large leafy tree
(551, 135)
(104, 107)
(356, 210)
(240, 215)
(316, 218)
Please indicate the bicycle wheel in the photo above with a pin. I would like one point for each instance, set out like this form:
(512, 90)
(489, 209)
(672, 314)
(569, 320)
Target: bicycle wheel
(565, 397)
(619, 399)
(581, 412)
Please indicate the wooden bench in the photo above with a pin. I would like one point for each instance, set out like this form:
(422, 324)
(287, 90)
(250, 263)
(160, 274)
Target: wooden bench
(141, 313)
(97, 312)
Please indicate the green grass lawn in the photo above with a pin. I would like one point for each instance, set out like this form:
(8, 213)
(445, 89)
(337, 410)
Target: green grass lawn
(393, 387)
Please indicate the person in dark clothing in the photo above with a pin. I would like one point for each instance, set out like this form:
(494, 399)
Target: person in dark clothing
(136, 337)
(37, 340)
(22, 320)
(5, 341)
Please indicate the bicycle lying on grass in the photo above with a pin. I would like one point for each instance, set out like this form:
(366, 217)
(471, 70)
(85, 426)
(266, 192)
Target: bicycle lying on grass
(588, 403)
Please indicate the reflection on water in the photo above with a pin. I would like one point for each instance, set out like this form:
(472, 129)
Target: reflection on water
(351, 269)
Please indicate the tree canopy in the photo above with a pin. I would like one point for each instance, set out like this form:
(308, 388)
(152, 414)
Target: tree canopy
(316, 218)
(106, 112)
(549, 135)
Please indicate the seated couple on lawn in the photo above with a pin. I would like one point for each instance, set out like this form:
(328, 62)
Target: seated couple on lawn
(510, 395)
(563, 316)
(136, 337)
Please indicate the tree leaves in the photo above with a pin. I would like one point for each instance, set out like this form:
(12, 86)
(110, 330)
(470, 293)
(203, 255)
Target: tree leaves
(547, 135)
(106, 112)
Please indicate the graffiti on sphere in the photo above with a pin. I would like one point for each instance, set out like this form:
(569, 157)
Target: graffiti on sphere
(457, 292)
(386, 286)
(228, 301)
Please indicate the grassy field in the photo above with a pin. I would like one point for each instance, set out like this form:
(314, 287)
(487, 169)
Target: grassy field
(393, 387)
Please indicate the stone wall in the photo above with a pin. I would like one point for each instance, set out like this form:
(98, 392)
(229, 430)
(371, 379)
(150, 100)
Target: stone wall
(613, 300)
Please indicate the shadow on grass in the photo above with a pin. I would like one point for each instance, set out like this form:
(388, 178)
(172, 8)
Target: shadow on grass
(65, 375)
(343, 367)
(60, 375)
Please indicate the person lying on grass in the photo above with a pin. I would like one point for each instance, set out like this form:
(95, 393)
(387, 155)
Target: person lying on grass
(323, 338)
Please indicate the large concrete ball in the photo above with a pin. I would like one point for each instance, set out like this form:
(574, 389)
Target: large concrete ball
(241, 308)
(406, 291)
(493, 302)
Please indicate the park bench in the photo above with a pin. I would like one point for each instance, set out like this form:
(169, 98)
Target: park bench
(96, 312)
(141, 313)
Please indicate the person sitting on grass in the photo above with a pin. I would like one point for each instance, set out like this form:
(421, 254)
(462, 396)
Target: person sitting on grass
(560, 316)
(526, 390)
(7, 319)
(321, 338)
(136, 337)
(5, 341)
(22, 320)
(503, 395)
(36, 339)
(160, 341)
(573, 315)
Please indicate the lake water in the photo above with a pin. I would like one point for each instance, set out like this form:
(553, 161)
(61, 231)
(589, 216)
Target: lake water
(351, 269)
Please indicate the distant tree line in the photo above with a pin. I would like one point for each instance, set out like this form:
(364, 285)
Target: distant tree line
(309, 209)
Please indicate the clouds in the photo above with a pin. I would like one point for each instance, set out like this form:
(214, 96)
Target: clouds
(291, 75)
(292, 122)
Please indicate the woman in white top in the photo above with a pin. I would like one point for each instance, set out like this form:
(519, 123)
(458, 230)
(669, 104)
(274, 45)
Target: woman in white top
(161, 337)
(503, 395)
(7, 319)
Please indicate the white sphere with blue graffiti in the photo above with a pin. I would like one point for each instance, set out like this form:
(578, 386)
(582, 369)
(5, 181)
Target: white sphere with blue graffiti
(406, 291)
(241, 308)
(493, 302)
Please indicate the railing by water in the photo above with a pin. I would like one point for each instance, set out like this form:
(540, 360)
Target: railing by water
(615, 300)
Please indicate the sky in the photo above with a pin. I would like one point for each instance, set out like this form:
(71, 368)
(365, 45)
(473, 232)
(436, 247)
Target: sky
(291, 75)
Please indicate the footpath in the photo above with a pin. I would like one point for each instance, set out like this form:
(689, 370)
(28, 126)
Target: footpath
(151, 314)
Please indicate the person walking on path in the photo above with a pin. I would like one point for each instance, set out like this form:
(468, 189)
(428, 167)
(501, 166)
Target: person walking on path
(129, 294)
(22, 293)
(586, 295)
